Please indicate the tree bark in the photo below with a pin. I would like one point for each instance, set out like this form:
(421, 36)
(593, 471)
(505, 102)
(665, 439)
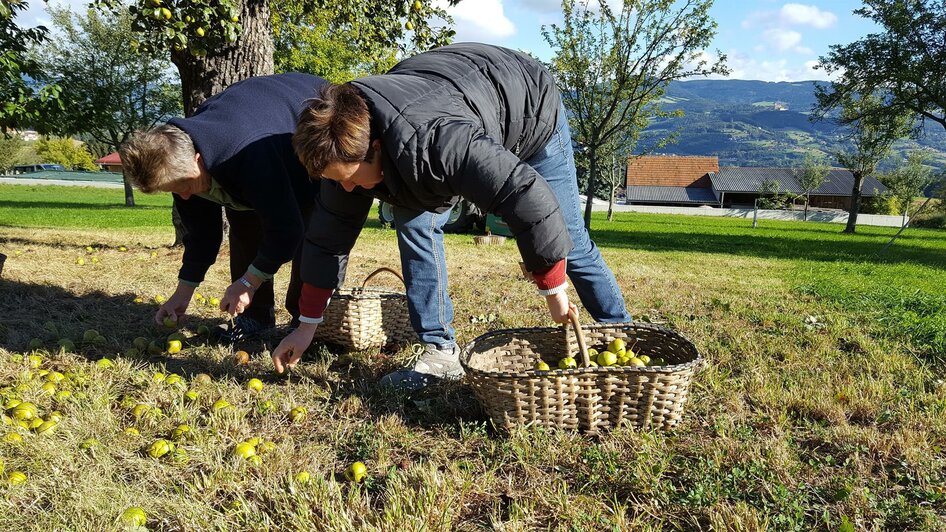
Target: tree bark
(129, 192)
(202, 77)
(807, 201)
(855, 202)
(592, 174)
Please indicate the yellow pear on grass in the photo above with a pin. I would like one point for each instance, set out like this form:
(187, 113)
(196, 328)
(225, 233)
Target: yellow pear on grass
(356, 472)
(298, 414)
(134, 516)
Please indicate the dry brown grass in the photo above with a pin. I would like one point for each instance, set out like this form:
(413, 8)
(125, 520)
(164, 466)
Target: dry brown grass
(788, 428)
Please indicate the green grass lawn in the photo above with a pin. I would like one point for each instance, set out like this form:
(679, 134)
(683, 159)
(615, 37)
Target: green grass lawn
(822, 405)
(80, 208)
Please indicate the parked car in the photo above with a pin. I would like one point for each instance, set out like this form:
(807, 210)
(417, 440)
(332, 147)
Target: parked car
(27, 168)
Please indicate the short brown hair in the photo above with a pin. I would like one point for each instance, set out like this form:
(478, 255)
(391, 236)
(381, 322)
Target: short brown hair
(335, 127)
(158, 156)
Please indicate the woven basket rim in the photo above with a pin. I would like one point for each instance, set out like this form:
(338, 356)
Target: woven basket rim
(366, 292)
(466, 354)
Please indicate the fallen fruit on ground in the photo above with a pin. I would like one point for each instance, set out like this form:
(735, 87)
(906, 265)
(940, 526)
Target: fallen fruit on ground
(160, 448)
(174, 346)
(255, 384)
(203, 330)
(241, 358)
(356, 472)
(104, 363)
(244, 450)
(141, 343)
(191, 395)
(181, 432)
(67, 345)
(297, 414)
(88, 443)
(303, 477)
(170, 323)
(220, 404)
(46, 427)
(134, 516)
(15, 478)
(24, 411)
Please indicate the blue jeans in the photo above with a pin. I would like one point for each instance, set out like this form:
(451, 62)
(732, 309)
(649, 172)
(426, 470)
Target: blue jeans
(420, 239)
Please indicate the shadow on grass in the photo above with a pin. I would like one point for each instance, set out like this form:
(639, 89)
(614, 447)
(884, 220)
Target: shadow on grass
(51, 313)
(770, 243)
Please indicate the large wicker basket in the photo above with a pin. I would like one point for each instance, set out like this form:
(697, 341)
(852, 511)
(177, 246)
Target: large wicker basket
(499, 365)
(363, 318)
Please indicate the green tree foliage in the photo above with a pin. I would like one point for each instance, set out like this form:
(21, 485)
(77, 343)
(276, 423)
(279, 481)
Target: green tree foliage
(20, 101)
(613, 66)
(905, 61)
(109, 90)
(11, 149)
(872, 132)
(810, 176)
(311, 42)
(908, 180)
(65, 151)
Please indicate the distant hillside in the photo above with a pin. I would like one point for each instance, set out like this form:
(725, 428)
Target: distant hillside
(757, 123)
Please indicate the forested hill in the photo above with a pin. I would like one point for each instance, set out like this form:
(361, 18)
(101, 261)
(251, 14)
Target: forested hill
(757, 123)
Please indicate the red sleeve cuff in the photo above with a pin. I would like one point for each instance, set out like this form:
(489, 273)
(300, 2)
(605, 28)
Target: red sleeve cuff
(313, 300)
(551, 278)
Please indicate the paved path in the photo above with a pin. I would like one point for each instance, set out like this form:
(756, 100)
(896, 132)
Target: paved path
(62, 182)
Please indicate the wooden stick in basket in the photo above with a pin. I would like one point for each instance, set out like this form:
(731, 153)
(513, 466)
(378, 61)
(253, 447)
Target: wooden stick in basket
(379, 270)
(580, 335)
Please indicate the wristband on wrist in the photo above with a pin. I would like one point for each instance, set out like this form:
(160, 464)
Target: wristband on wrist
(245, 282)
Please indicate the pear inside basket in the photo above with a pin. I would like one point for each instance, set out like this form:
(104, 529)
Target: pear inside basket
(642, 383)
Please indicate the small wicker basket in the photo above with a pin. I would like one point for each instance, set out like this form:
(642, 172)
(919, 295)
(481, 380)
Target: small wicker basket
(363, 318)
(489, 240)
(499, 366)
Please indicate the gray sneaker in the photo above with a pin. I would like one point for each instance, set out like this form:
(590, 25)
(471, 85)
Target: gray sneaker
(433, 365)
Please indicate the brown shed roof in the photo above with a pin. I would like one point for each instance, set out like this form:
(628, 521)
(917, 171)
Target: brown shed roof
(671, 171)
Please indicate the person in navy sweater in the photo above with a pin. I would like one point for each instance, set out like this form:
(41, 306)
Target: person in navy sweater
(235, 152)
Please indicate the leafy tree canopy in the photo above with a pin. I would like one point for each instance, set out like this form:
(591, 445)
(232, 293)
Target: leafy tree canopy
(21, 102)
(905, 62)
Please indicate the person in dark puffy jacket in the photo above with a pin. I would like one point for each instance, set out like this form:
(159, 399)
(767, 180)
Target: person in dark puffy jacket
(467, 120)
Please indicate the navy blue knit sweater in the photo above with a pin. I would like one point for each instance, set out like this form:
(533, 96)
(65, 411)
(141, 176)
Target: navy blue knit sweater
(244, 138)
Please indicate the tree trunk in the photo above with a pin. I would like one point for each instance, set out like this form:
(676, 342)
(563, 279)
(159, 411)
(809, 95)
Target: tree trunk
(611, 196)
(592, 174)
(202, 77)
(807, 201)
(855, 202)
(129, 192)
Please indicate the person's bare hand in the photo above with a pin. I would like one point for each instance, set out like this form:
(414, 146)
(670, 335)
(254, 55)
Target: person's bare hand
(290, 349)
(236, 299)
(559, 306)
(176, 305)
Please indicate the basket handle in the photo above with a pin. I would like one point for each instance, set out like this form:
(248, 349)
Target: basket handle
(580, 335)
(379, 270)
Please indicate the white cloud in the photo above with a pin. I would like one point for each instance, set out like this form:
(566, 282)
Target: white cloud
(802, 15)
(791, 15)
(744, 67)
(780, 39)
(479, 20)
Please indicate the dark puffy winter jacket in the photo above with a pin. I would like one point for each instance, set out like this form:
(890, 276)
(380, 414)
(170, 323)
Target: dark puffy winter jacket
(457, 121)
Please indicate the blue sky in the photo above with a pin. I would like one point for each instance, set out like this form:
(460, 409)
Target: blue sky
(763, 39)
